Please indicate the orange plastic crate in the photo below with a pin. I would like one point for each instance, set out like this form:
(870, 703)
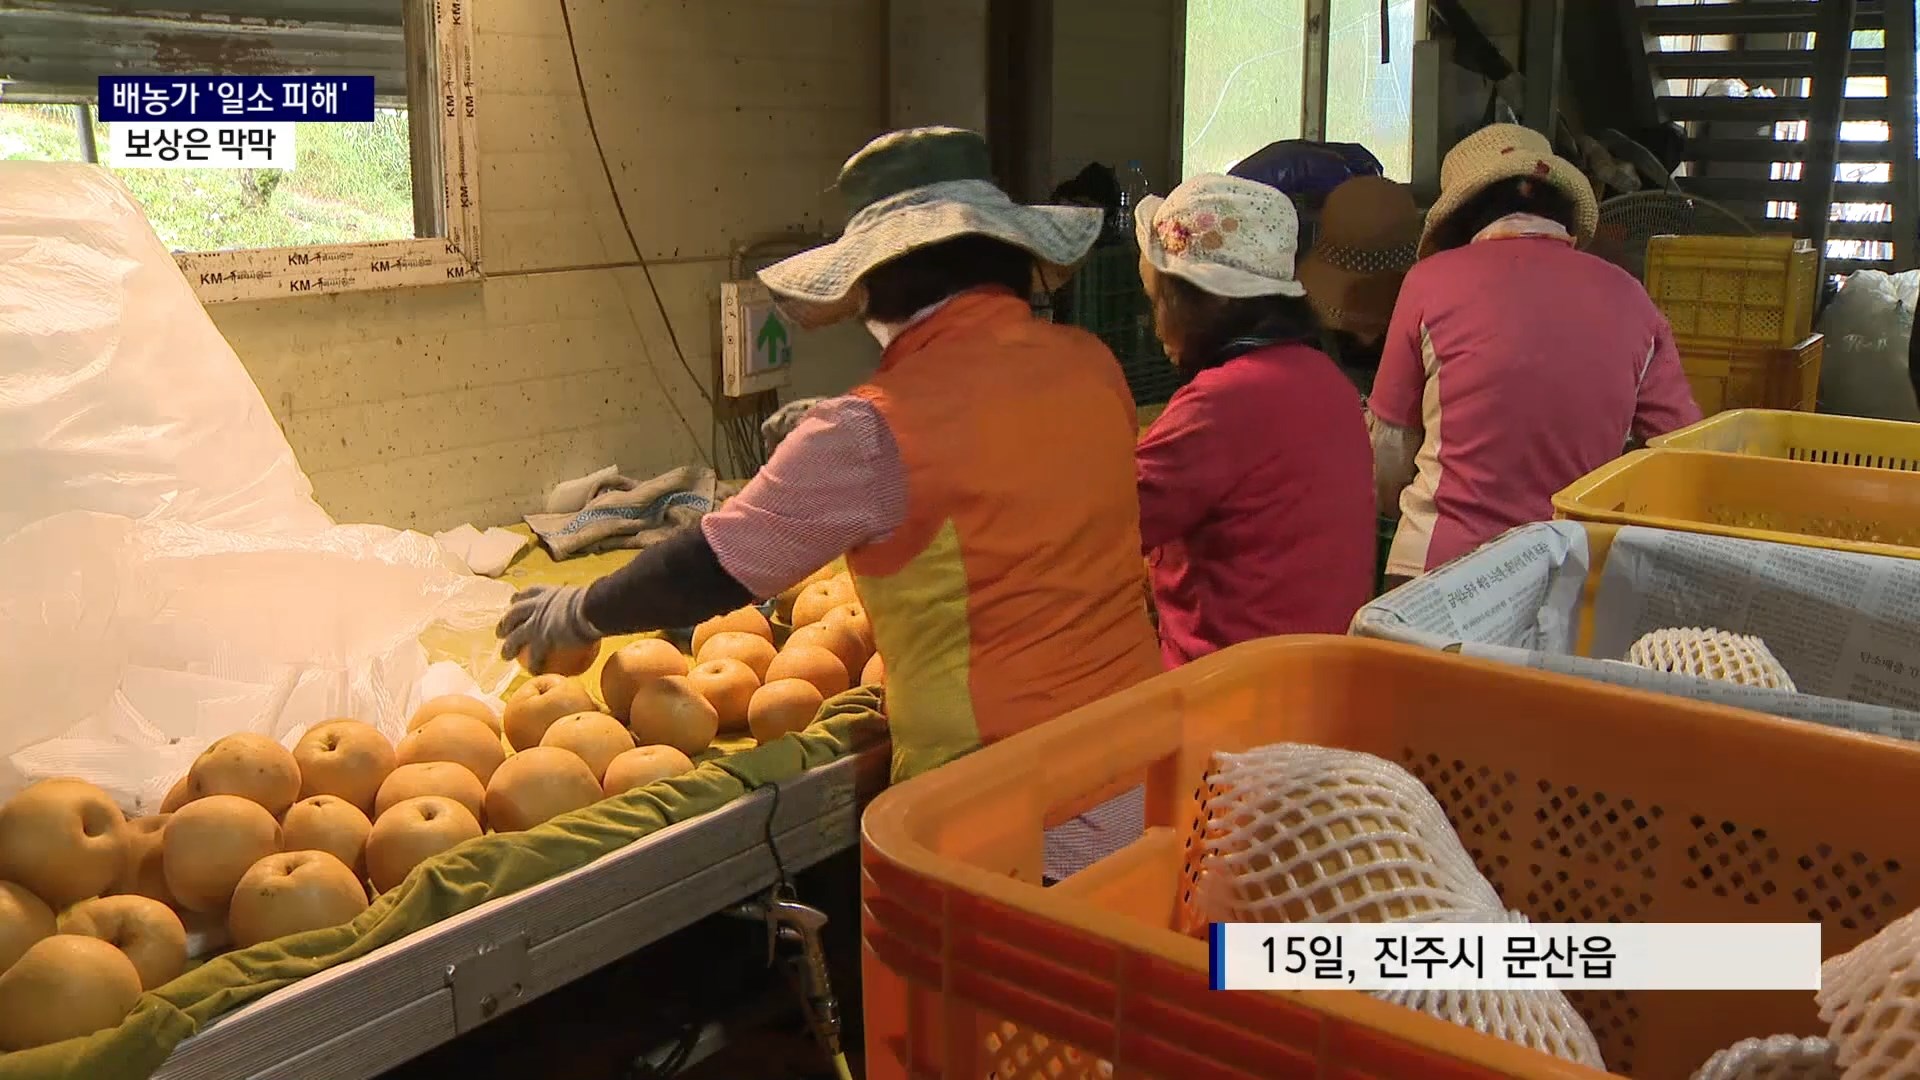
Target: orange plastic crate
(1579, 801)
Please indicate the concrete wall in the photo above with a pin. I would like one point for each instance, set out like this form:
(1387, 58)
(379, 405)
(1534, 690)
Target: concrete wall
(1114, 82)
(937, 63)
(724, 122)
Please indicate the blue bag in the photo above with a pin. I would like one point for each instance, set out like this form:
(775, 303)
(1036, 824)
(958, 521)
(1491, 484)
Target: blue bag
(1299, 167)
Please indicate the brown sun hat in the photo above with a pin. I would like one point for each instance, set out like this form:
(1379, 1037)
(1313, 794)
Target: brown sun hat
(1369, 233)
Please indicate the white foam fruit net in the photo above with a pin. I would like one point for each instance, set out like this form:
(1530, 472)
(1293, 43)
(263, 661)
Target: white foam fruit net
(1870, 1000)
(1711, 654)
(1542, 1020)
(1778, 1057)
(1296, 833)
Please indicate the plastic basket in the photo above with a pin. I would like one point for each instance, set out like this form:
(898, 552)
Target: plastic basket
(1107, 299)
(1799, 436)
(1573, 597)
(1579, 801)
(1754, 376)
(1840, 507)
(1734, 290)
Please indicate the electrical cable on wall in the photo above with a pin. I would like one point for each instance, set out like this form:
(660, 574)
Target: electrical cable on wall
(619, 205)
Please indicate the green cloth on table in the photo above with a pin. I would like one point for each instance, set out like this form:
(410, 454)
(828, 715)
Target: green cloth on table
(1383, 546)
(492, 866)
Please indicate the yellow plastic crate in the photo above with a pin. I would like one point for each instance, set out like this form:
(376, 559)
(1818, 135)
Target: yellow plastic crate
(1839, 507)
(1754, 376)
(1799, 436)
(1734, 290)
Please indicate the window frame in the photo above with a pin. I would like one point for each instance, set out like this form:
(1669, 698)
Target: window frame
(270, 273)
(1316, 48)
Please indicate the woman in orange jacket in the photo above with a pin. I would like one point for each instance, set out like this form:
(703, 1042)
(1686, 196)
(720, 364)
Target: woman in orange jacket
(981, 484)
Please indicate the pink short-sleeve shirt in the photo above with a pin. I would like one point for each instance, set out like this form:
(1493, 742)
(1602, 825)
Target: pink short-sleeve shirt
(1525, 364)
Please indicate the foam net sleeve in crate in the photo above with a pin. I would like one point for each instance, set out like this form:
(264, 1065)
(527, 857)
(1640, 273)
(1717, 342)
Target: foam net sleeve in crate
(1297, 833)
(1542, 1020)
(1870, 1000)
(1711, 654)
(1777, 1057)
(1016, 1053)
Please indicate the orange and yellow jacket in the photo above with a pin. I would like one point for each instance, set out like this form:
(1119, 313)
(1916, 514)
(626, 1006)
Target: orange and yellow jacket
(1013, 591)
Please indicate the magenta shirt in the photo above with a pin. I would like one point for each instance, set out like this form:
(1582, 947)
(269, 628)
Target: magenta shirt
(1527, 365)
(1256, 503)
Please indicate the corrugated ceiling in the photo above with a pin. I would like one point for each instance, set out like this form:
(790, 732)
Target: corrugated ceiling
(51, 49)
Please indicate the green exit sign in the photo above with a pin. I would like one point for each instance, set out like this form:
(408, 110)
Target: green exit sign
(756, 340)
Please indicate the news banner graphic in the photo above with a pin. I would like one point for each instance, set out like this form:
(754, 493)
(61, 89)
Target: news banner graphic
(222, 121)
(1515, 956)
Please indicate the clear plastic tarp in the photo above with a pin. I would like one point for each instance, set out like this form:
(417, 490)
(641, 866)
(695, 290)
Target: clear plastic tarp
(165, 575)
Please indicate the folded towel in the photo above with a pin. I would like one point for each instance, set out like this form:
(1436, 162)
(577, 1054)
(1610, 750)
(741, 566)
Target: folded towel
(485, 553)
(628, 513)
(570, 496)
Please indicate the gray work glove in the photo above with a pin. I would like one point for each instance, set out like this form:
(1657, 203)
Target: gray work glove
(543, 619)
(784, 419)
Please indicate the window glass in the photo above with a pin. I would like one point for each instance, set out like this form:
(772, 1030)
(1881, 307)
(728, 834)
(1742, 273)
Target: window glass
(1243, 79)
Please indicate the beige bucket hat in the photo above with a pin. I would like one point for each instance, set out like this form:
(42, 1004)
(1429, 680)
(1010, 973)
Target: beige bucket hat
(913, 189)
(1504, 152)
(1231, 237)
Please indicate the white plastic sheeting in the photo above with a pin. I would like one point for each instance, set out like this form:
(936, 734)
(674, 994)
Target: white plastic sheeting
(165, 575)
(1868, 326)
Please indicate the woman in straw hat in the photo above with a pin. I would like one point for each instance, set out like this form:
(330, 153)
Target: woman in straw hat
(1515, 363)
(981, 484)
(1255, 502)
(1369, 231)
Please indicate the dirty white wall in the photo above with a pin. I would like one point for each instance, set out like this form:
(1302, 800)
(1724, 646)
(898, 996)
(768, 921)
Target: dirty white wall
(723, 122)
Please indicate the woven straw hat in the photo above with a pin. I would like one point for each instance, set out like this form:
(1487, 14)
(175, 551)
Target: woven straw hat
(1369, 232)
(1231, 237)
(913, 189)
(1503, 152)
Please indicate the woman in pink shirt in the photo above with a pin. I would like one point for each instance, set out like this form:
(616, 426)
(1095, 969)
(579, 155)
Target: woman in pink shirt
(1515, 364)
(1256, 511)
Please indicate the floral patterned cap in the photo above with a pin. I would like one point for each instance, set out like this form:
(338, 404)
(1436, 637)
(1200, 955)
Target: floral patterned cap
(1231, 237)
